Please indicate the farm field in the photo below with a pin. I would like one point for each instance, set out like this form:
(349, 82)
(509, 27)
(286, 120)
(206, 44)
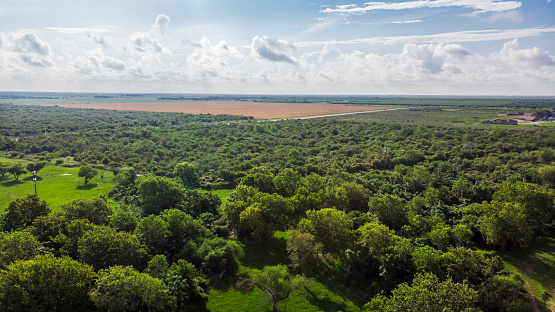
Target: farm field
(55, 184)
(254, 109)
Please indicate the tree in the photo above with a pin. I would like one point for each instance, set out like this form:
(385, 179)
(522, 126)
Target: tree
(287, 182)
(46, 283)
(188, 286)
(35, 166)
(377, 238)
(275, 281)
(538, 202)
(158, 194)
(303, 250)
(17, 245)
(154, 233)
(187, 173)
(95, 210)
(331, 227)
(4, 167)
(123, 220)
(87, 172)
(269, 213)
(389, 210)
(505, 225)
(125, 289)
(22, 211)
(103, 247)
(426, 294)
(16, 170)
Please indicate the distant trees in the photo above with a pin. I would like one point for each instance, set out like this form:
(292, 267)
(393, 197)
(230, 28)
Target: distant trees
(187, 172)
(87, 172)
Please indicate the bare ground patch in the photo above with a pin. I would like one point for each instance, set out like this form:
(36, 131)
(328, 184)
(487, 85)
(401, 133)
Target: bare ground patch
(257, 110)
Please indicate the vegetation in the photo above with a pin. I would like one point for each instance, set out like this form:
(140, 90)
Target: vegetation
(349, 213)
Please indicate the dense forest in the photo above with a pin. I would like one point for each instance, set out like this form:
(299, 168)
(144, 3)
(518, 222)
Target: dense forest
(401, 214)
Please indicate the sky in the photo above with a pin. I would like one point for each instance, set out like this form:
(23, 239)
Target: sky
(411, 47)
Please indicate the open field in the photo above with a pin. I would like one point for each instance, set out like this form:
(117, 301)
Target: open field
(255, 109)
(56, 185)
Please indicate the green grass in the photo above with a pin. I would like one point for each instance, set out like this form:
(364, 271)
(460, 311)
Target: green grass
(536, 266)
(327, 293)
(53, 185)
(223, 194)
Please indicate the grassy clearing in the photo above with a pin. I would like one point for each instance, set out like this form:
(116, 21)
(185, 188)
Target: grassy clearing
(326, 294)
(223, 193)
(56, 185)
(536, 266)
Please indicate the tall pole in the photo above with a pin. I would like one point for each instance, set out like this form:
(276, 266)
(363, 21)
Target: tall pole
(35, 180)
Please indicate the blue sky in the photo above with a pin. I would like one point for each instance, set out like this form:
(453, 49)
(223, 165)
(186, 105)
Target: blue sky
(426, 47)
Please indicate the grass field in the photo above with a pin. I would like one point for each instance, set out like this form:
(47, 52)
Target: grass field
(536, 266)
(326, 293)
(56, 185)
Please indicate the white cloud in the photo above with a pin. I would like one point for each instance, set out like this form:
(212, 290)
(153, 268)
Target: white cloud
(460, 36)
(161, 23)
(113, 63)
(533, 58)
(272, 49)
(481, 6)
(404, 22)
(26, 47)
(79, 30)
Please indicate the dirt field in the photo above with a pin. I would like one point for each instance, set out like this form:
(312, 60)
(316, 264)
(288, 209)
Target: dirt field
(257, 110)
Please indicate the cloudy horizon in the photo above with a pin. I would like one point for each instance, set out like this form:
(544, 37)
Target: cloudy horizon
(423, 47)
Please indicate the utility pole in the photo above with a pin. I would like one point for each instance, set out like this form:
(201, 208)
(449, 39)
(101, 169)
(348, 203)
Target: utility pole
(35, 180)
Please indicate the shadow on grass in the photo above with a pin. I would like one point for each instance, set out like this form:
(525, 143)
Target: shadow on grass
(12, 183)
(30, 178)
(325, 303)
(87, 187)
(259, 254)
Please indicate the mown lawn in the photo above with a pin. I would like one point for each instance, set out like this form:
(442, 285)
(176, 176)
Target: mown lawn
(55, 184)
(319, 297)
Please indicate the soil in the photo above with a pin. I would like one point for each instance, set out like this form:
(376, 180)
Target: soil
(257, 110)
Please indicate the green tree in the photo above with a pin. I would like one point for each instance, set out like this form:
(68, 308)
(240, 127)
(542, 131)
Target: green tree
(22, 211)
(187, 172)
(331, 227)
(17, 245)
(269, 213)
(153, 231)
(303, 250)
(158, 194)
(287, 182)
(17, 170)
(125, 289)
(103, 247)
(377, 238)
(426, 294)
(35, 166)
(505, 225)
(538, 202)
(275, 281)
(188, 286)
(87, 172)
(389, 210)
(123, 220)
(46, 283)
(95, 210)
(4, 167)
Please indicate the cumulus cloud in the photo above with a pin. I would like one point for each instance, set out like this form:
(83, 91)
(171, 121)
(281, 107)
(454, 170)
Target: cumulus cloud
(533, 58)
(101, 41)
(161, 23)
(272, 50)
(482, 6)
(27, 47)
(432, 57)
(113, 63)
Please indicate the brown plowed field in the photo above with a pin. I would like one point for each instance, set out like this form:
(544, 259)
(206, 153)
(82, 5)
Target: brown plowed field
(257, 110)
